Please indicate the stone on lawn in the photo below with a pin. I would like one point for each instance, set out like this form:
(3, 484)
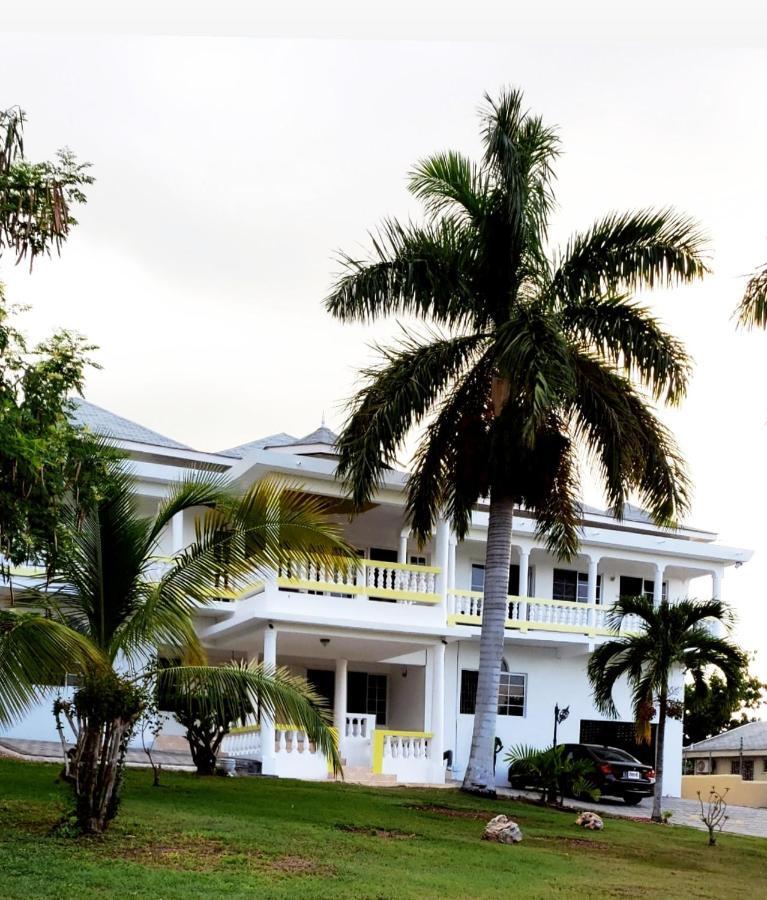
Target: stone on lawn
(503, 830)
(590, 820)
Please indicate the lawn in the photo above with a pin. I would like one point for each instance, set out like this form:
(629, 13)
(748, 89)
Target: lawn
(244, 837)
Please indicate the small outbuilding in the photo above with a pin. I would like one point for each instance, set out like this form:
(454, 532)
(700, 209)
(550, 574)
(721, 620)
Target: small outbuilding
(741, 751)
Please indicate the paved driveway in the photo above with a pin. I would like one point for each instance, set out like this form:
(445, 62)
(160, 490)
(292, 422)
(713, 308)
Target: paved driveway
(743, 819)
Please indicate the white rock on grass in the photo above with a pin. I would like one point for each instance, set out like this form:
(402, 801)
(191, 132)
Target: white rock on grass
(590, 820)
(503, 830)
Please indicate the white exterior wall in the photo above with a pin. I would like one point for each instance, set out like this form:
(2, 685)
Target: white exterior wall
(551, 679)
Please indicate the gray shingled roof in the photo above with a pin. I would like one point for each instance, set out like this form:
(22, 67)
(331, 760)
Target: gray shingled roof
(754, 736)
(282, 439)
(100, 421)
(321, 435)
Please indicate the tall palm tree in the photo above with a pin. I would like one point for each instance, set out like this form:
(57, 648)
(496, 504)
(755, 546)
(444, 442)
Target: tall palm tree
(752, 310)
(111, 603)
(529, 354)
(671, 636)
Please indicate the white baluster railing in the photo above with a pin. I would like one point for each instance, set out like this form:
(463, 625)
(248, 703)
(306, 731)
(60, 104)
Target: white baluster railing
(402, 582)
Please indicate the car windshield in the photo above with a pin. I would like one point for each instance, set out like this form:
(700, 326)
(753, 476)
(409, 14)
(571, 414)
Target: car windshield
(611, 754)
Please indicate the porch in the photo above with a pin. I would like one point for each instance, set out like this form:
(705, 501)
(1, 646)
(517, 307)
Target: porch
(387, 699)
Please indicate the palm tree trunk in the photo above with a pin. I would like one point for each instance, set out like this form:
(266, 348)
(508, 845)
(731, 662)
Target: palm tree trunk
(657, 800)
(480, 776)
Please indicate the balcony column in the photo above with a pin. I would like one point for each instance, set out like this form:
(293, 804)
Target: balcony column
(442, 548)
(268, 763)
(524, 571)
(437, 653)
(339, 704)
(657, 593)
(177, 533)
(592, 591)
(451, 572)
(402, 551)
(716, 585)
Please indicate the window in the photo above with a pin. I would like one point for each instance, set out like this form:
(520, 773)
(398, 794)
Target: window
(641, 587)
(573, 586)
(367, 693)
(748, 769)
(418, 561)
(478, 579)
(511, 692)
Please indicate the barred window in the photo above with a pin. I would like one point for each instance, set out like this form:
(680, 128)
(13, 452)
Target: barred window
(512, 692)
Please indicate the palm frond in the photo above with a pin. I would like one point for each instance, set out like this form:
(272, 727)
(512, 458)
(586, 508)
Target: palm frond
(413, 270)
(630, 251)
(450, 182)
(35, 651)
(276, 692)
(633, 450)
(397, 396)
(752, 310)
(625, 334)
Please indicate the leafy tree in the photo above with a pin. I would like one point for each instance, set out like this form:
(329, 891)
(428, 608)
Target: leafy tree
(45, 461)
(36, 199)
(532, 354)
(712, 706)
(672, 636)
(111, 604)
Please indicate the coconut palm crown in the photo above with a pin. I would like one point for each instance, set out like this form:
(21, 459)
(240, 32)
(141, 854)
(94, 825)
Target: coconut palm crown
(752, 309)
(670, 637)
(530, 354)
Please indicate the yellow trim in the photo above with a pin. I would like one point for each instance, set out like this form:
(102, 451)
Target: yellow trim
(245, 729)
(378, 743)
(460, 592)
(27, 571)
(332, 588)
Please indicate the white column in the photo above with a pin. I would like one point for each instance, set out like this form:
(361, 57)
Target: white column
(452, 548)
(657, 594)
(267, 720)
(442, 548)
(592, 588)
(402, 551)
(524, 569)
(339, 704)
(177, 532)
(438, 710)
(716, 585)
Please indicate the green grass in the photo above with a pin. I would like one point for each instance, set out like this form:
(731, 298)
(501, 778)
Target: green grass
(261, 837)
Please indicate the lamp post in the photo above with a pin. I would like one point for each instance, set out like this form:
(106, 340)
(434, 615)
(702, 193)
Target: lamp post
(559, 716)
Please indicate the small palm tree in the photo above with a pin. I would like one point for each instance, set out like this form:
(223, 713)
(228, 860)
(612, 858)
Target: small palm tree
(752, 310)
(671, 636)
(108, 606)
(532, 354)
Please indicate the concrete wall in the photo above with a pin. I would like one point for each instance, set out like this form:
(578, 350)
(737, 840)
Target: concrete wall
(551, 679)
(739, 792)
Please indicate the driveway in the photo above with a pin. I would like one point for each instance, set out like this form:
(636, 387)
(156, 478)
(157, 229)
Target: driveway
(743, 819)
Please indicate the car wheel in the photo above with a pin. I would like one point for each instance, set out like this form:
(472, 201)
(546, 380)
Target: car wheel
(633, 799)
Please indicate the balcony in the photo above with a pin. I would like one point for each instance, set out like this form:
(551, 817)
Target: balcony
(464, 607)
(395, 582)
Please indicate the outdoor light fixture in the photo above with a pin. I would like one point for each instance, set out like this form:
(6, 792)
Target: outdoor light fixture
(559, 716)
(324, 641)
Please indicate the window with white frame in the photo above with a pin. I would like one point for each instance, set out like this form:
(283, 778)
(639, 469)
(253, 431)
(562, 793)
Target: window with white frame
(641, 587)
(512, 692)
(478, 579)
(573, 586)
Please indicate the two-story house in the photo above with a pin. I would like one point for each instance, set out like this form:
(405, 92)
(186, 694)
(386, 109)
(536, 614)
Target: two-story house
(394, 645)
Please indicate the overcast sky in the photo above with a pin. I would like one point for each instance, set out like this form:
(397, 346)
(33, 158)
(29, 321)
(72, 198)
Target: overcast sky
(231, 169)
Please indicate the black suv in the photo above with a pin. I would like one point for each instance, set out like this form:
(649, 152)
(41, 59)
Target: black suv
(616, 773)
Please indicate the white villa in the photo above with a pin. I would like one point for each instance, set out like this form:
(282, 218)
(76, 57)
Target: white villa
(394, 646)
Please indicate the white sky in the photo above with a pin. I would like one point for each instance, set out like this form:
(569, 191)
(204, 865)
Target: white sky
(231, 168)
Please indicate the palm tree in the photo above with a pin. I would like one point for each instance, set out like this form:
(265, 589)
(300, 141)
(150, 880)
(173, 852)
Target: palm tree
(529, 355)
(672, 636)
(110, 604)
(752, 310)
